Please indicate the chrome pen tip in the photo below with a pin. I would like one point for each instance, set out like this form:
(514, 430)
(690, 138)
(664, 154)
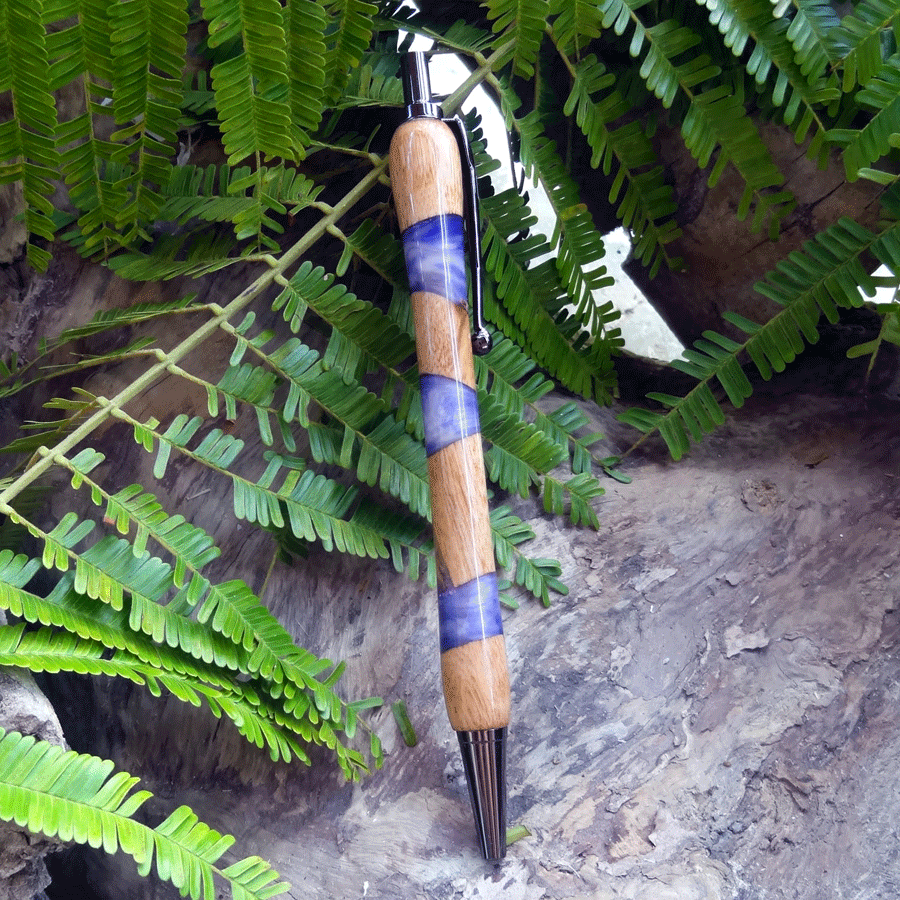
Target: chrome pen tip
(484, 759)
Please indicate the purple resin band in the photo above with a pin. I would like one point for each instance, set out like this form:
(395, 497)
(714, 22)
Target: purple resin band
(435, 257)
(449, 411)
(469, 612)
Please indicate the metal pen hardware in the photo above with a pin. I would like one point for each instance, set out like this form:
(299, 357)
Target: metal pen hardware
(436, 195)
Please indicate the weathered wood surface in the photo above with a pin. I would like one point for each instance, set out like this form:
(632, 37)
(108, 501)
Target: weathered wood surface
(709, 714)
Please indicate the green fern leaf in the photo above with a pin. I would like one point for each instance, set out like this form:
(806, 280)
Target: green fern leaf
(48, 650)
(305, 26)
(646, 202)
(772, 61)
(538, 576)
(239, 196)
(350, 25)
(95, 168)
(367, 87)
(526, 293)
(716, 119)
(27, 148)
(149, 44)
(576, 242)
(862, 30)
(577, 22)
(880, 133)
(314, 507)
(520, 452)
(192, 254)
(75, 797)
(358, 320)
(254, 115)
(664, 42)
(522, 22)
(373, 442)
(813, 32)
(180, 663)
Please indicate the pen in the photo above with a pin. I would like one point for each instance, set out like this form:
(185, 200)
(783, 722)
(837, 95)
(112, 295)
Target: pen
(435, 193)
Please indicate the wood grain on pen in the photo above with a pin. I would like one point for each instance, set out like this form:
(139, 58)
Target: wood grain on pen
(443, 345)
(425, 159)
(476, 685)
(462, 531)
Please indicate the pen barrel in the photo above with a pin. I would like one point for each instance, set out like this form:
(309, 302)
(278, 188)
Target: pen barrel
(427, 184)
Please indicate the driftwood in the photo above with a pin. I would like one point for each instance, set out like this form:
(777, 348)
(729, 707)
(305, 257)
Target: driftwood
(710, 712)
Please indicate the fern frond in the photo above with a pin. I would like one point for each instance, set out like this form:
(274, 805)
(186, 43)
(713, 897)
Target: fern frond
(305, 27)
(751, 23)
(76, 797)
(522, 22)
(27, 146)
(538, 576)
(882, 131)
(404, 537)
(519, 452)
(80, 54)
(664, 42)
(349, 23)
(111, 572)
(647, 203)
(312, 506)
(576, 23)
(121, 317)
(367, 87)
(240, 196)
(827, 274)
(581, 490)
(149, 44)
(372, 441)
(261, 649)
(89, 619)
(813, 32)
(716, 119)
(192, 254)
(311, 288)
(52, 651)
(862, 30)
(576, 242)
(527, 293)
(254, 115)
(502, 374)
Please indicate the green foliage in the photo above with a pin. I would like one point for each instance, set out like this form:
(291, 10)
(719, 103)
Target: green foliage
(27, 149)
(828, 274)
(76, 797)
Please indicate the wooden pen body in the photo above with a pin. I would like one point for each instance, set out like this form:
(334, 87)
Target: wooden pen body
(427, 185)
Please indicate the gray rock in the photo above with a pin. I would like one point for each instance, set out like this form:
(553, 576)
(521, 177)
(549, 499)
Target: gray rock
(24, 708)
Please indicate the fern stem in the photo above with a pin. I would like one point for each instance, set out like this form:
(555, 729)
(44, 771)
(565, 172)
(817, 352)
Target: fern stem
(486, 66)
(207, 329)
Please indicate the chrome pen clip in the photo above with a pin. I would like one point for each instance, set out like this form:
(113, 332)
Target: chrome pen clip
(419, 102)
(481, 338)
